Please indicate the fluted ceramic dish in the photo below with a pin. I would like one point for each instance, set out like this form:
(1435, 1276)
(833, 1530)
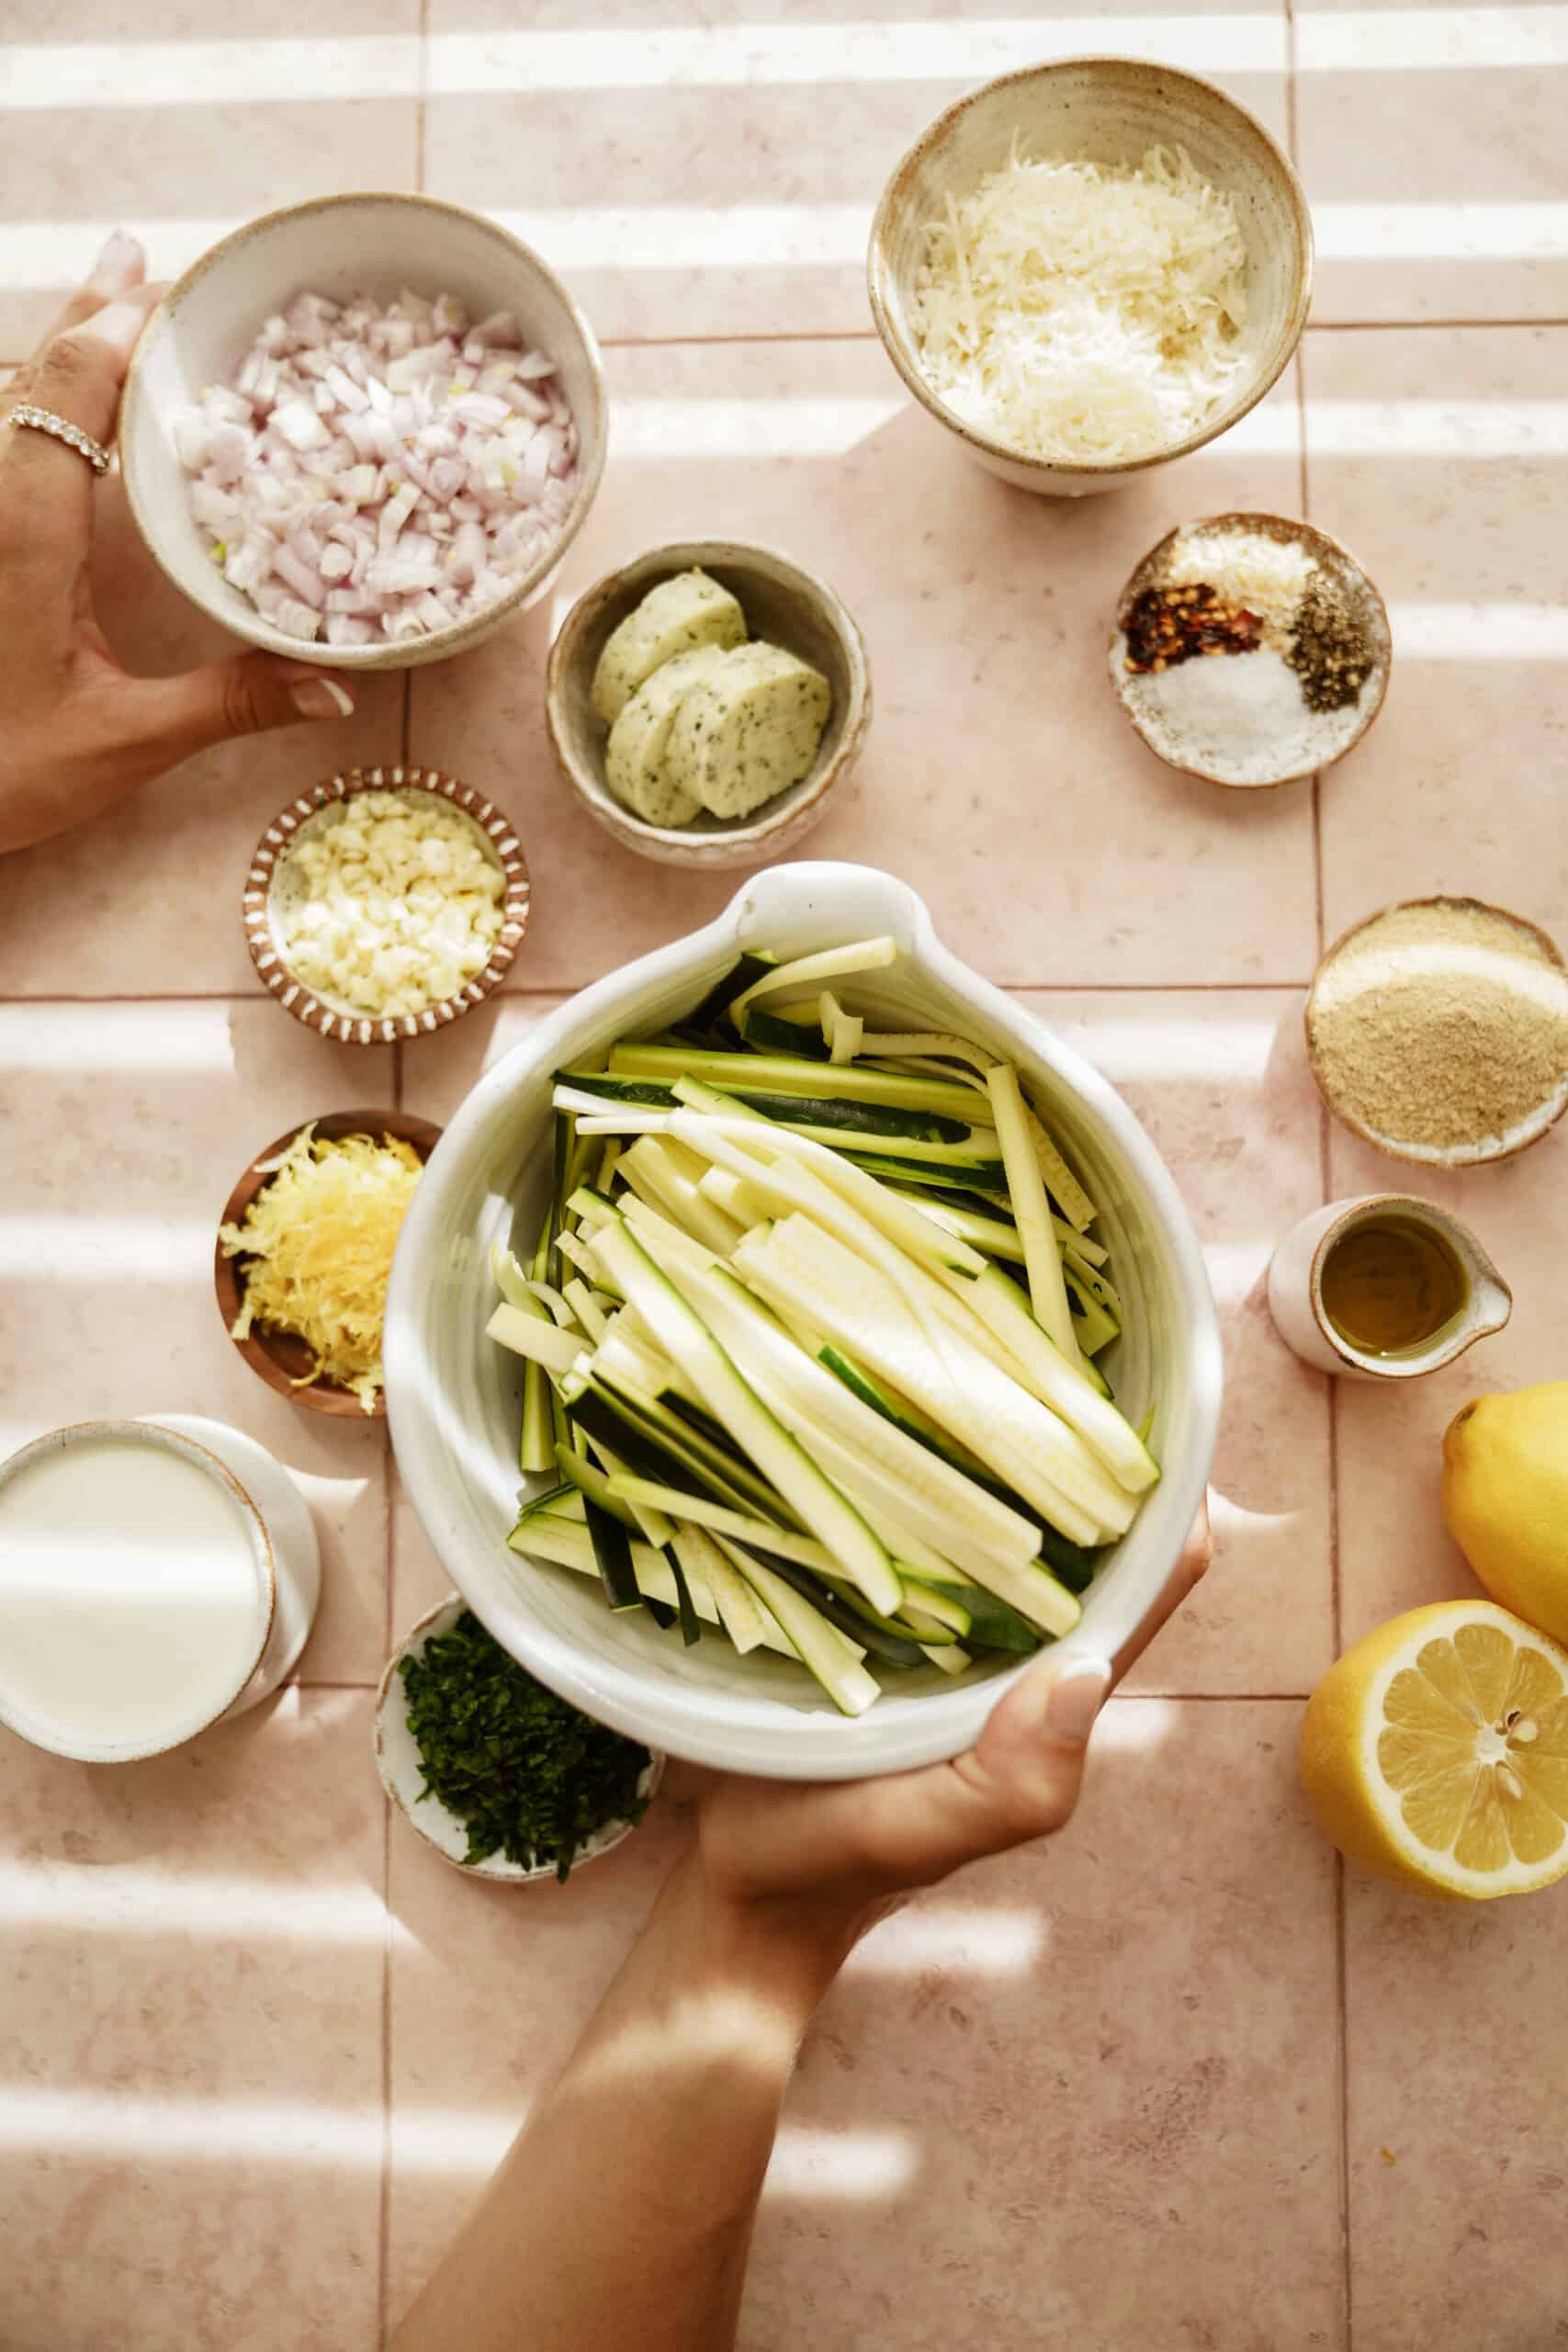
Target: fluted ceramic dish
(1110, 110)
(370, 243)
(784, 604)
(401, 1768)
(454, 1399)
(267, 878)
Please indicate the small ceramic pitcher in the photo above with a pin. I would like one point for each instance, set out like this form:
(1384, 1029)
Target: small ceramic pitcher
(1295, 1290)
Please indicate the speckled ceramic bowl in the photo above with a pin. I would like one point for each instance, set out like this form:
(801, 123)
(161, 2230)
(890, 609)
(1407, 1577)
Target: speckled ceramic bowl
(267, 881)
(784, 604)
(1110, 110)
(402, 1773)
(341, 245)
(1346, 578)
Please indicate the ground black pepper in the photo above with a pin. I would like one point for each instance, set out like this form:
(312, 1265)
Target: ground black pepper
(1169, 624)
(1329, 652)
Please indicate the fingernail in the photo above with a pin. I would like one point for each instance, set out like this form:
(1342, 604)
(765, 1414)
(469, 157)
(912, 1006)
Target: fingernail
(121, 252)
(1076, 1698)
(323, 699)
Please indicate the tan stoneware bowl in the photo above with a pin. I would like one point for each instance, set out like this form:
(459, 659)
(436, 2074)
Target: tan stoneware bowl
(1336, 564)
(267, 880)
(784, 604)
(281, 1358)
(402, 1767)
(1109, 110)
(341, 245)
(1536, 945)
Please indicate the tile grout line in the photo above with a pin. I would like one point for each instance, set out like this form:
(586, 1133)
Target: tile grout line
(384, 2188)
(572, 988)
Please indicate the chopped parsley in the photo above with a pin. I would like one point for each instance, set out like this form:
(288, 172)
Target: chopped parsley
(529, 1776)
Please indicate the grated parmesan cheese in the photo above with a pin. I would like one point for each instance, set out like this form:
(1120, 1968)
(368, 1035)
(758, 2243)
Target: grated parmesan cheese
(320, 1239)
(1082, 311)
(388, 903)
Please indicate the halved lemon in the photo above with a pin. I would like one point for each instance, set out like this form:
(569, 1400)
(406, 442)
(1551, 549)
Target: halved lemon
(1436, 1751)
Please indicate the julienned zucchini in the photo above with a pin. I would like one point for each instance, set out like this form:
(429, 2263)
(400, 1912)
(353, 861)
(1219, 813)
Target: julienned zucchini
(724, 1467)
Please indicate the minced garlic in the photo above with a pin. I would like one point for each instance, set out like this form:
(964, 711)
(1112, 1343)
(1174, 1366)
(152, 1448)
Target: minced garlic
(318, 1240)
(388, 903)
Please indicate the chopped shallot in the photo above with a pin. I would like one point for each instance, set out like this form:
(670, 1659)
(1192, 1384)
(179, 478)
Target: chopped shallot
(379, 473)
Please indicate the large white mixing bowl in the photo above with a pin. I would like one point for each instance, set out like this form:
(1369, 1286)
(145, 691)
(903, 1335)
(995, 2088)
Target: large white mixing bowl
(454, 1399)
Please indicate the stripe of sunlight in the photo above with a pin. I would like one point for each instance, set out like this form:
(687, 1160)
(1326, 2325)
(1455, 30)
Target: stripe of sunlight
(36, 255)
(107, 2125)
(1480, 632)
(1145, 1048)
(212, 72)
(1369, 39)
(1438, 428)
(749, 428)
(95, 1249)
(130, 1899)
(1235, 1268)
(59, 1039)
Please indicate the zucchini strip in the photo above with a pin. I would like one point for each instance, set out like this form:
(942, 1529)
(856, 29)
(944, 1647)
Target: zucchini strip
(1032, 1212)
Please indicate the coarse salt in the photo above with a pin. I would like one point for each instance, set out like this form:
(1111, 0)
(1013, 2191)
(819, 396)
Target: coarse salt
(1239, 717)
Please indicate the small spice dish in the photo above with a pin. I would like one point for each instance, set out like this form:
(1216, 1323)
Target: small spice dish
(274, 888)
(281, 1358)
(399, 1762)
(785, 605)
(1437, 1031)
(1250, 649)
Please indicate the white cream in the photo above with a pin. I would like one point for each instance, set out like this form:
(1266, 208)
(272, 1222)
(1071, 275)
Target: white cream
(134, 1594)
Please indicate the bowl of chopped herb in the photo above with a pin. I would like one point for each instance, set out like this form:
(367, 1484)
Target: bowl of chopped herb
(503, 1779)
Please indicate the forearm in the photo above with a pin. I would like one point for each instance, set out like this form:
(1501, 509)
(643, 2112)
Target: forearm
(625, 2207)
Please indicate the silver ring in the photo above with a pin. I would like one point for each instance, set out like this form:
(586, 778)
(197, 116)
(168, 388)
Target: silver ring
(43, 420)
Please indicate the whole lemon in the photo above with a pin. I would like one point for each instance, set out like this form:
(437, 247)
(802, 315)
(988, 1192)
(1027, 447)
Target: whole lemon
(1505, 1499)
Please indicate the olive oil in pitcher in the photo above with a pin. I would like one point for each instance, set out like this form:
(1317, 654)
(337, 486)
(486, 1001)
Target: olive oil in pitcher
(1391, 1285)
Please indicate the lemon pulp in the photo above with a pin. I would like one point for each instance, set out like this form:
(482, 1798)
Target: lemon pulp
(1473, 1749)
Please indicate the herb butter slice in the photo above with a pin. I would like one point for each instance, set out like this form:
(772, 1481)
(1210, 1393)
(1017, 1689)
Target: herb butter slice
(748, 730)
(635, 766)
(678, 616)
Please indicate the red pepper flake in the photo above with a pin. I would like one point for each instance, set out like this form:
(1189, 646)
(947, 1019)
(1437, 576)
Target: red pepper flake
(1169, 624)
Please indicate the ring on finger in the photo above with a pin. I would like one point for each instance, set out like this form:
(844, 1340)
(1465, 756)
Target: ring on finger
(60, 428)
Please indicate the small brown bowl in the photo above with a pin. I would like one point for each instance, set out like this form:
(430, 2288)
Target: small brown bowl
(341, 1021)
(281, 1358)
(1342, 570)
(784, 604)
(1542, 1120)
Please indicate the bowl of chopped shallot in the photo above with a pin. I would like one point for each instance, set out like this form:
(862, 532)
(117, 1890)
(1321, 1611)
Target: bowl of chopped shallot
(364, 430)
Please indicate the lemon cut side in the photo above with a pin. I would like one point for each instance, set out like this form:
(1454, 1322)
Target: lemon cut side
(1436, 1751)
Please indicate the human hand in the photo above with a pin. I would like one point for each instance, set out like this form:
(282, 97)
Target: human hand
(78, 732)
(822, 1862)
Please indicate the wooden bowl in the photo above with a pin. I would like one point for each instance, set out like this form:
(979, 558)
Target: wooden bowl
(282, 1358)
(1110, 109)
(341, 1021)
(784, 604)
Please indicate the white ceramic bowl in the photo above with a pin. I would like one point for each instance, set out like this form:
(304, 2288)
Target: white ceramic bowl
(453, 1399)
(1110, 109)
(402, 1773)
(340, 246)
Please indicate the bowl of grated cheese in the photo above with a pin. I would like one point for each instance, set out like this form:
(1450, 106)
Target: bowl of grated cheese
(386, 903)
(1089, 268)
(304, 1254)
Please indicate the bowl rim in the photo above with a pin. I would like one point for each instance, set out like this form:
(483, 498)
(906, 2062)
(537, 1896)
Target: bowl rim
(1089, 469)
(372, 1028)
(148, 1429)
(625, 1697)
(1547, 1114)
(680, 554)
(495, 1868)
(319, 1396)
(1302, 532)
(249, 625)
